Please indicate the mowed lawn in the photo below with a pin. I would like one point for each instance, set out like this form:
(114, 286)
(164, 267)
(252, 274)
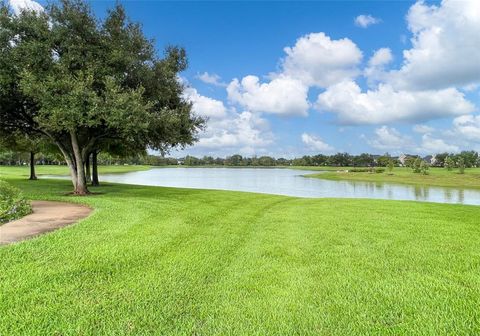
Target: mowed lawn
(168, 261)
(436, 176)
(63, 170)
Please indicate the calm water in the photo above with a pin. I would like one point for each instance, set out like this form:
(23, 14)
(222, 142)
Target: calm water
(290, 182)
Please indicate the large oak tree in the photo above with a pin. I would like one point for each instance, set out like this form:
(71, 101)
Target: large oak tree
(82, 82)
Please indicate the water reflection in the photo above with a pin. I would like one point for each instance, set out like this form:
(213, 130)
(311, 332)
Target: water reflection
(290, 182)
(421, 193)
(448, 195)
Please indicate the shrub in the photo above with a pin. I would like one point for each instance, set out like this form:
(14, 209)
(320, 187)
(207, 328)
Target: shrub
(449, 163)
(391, 164)
(12, 203)
(367, 170)
(359, 170)
(417, 165)
(461, 165)
(424, 167)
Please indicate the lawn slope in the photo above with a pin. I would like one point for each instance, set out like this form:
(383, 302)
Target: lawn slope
(181, 262)
(436, 177)
(17, 171)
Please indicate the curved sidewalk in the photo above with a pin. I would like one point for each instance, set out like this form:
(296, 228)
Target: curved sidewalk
(47, 216)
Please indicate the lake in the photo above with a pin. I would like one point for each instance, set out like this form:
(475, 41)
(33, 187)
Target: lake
(290, 182)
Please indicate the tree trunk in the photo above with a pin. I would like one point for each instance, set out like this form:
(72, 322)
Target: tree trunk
(73, 173)
(95, 181)
(88, 175)
(81, 186)
(32, 166)
(70, 164)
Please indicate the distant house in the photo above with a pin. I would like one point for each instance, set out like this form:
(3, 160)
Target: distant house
(375, 158)
(430, 159)
(402, 159)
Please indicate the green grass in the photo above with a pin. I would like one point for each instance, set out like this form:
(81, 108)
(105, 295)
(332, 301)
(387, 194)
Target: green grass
(168, 261)
(436, 177)
(63, 170)
(319, 168)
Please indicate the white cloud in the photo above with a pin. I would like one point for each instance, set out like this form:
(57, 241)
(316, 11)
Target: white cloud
(385, 105)
(19, 5)
(205, 106)
(314, 60)
(282, 95)
(422, 129)
(212, 79)
(388, 138)
(468, 127)
(238, 132)
(315, 143)
(366, 20)
(375, 70)
(432, 145)
(317, 60)
(442, 62)
(381, 56)
(445, 50)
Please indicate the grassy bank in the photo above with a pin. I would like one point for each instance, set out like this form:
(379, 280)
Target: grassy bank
(181, 262)
(436, 177)
(63, 170)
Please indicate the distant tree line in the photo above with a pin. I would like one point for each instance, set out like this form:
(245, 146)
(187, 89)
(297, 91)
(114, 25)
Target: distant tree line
(465, 159)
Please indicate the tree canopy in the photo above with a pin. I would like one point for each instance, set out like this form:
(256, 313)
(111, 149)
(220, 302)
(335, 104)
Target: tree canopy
(89, 84)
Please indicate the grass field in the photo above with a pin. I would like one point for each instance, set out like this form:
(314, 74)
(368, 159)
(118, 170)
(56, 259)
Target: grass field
(170, 261)
(63, 170)
(436, 177)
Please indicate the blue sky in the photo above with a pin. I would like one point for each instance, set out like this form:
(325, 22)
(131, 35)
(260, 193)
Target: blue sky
(377, 76)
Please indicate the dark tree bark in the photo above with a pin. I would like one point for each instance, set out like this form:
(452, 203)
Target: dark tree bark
(33, 176)
(81, 187)
(88, 175)
(95, 181)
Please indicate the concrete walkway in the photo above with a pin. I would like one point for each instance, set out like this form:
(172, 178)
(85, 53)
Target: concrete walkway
(47, 216)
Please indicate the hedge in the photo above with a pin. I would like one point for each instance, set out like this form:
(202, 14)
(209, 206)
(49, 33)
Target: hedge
(12, 203)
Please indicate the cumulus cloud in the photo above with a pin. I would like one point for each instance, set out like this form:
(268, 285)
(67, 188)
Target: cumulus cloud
(468, 127)
(386, 105)
(205, 106)
(364, 20)
(375, 71)
(317, 60)
(445, 48)
(314, 60)
(212, 79)
(239, 132)
(442, 62)
(282, 95)
(422, 129)
(19, 5)
(435, 145)
(388, 138)
(315, 143)
(381, 56)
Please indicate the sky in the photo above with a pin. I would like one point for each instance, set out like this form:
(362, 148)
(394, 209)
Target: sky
(300, 78)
